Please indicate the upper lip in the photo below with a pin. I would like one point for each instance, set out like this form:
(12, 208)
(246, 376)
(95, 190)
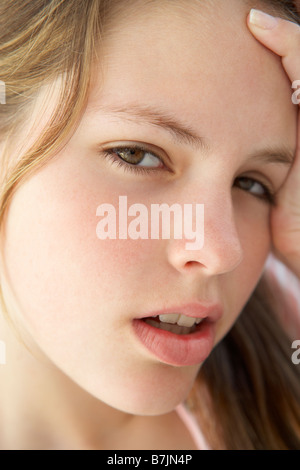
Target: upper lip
(211, 310)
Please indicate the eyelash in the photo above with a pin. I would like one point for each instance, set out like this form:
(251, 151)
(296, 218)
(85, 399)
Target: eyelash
(268, 196)
(111, 155)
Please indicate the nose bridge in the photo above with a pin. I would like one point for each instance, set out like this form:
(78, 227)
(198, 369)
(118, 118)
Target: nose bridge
(222, 245)
(222, 250)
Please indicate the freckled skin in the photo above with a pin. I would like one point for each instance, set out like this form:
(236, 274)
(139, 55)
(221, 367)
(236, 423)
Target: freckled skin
(78, 295)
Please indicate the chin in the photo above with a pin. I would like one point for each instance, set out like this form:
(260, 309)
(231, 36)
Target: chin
(150, 397)
(146, 408)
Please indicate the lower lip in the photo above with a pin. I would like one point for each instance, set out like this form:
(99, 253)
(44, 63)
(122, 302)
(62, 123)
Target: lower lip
(177, 350)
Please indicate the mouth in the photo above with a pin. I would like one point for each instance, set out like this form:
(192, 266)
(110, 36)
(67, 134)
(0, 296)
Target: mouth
(175, 323)
(179, 339)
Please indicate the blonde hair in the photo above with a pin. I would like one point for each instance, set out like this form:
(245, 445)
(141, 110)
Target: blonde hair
(40, 41)
(43, 40)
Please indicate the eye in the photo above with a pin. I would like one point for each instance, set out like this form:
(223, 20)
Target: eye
(138, 157)
(135, 158)
(259, 190)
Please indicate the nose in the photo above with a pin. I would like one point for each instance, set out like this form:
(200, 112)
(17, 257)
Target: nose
(221, 251)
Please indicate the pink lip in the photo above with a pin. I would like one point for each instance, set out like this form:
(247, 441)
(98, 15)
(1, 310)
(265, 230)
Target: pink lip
(181, 350)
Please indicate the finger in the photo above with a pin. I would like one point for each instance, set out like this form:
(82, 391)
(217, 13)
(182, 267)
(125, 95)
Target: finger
(280, 36)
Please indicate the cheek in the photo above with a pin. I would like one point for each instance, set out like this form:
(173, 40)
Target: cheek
(52, 249)
(255, 237)
(64, 278)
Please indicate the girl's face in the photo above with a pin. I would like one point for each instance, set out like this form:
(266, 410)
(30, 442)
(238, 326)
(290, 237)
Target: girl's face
(212, 107)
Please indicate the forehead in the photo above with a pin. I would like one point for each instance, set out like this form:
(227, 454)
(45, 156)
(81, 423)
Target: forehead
(196, 60)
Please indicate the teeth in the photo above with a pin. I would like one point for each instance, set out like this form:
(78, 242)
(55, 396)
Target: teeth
(176, 329)
(186, 321)
(181, 320)
(169, 318)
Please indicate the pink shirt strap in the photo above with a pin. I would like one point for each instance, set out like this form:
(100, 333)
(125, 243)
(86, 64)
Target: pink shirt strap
(191, 424)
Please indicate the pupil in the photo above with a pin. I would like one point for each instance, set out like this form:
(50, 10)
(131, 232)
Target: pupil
(247, 182)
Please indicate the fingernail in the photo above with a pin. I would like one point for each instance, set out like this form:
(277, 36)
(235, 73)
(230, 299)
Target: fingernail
(262, 20)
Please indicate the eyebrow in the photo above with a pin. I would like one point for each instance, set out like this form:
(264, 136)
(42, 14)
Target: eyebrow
(274, 155)
(158, 118)
(184, 134)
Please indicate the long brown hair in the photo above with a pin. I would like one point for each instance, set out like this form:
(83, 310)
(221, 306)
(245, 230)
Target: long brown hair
(247, 395)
